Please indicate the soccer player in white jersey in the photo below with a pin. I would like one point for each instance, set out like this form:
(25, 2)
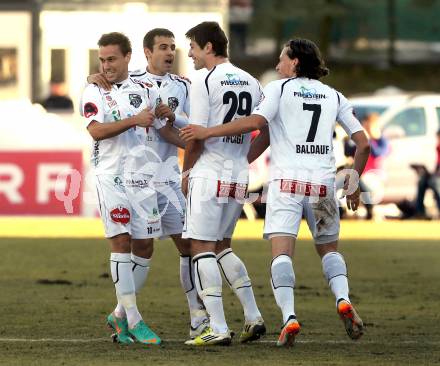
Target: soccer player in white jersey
(117, 121)
(160, 51)
(217, 182)
(301, 113)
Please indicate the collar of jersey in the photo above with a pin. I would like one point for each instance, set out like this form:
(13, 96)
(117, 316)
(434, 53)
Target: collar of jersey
(157, 77)
(123, 82)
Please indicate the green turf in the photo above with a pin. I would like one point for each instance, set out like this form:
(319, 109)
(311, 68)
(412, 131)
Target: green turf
(394, 285)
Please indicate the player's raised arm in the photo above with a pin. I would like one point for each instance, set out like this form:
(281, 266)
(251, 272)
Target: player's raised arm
(101, 131)
(163, 111)
(236, 127)
(170, 134)
(259, 145)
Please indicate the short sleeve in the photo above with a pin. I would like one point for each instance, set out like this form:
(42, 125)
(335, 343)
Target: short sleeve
(269, 102)
(186, 106)
(346, 117)
(199, 104)
(92, 104)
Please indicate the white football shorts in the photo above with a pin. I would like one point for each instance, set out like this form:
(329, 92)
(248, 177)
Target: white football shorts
(212, 212)
(172, 207)
(288, 200)
(128, 204)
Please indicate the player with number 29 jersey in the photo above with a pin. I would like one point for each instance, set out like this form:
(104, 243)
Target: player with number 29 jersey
(220, 96)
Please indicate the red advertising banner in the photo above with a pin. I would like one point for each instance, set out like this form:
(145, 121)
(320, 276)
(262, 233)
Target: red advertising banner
(40, 182)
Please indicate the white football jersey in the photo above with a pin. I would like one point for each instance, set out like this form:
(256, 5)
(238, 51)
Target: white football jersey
(174, 92)
(302, 113)
(126, 151)
(219, 96)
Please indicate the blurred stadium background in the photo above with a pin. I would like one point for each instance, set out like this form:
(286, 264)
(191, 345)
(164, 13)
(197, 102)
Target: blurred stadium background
(376, 50)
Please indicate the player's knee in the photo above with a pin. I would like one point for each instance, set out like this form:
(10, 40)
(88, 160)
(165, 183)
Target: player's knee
(214, 291)
(333, 265)
(182, 245)
(143, 247)
(282, 274)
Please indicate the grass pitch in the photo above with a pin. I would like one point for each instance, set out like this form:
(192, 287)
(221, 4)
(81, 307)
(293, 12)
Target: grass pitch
(56, 293)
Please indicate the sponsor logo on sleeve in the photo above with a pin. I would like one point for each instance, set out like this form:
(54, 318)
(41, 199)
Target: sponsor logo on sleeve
(90, 109)
(120, 215)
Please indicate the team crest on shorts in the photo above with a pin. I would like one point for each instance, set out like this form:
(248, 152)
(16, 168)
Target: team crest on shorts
(135, 100)
(173, 103)
(120, 215)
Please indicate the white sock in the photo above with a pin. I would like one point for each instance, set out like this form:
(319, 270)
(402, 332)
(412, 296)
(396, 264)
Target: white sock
(236, 275)
(140, 268)
(335, 271)
(196, 308)
(120, 311)
(120, 265)
(283, 283)
(209, 287)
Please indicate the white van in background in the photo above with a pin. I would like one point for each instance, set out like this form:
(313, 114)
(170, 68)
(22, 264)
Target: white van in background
(410, 122)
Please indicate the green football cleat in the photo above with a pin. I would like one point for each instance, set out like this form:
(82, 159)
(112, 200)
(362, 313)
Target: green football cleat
(143, 334)
(253, 330)
(208, 338)
(120, 326)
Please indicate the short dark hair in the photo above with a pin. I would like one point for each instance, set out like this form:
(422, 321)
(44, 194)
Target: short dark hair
(311, 64)
(116, 38)
(210, 32)
(149, 37)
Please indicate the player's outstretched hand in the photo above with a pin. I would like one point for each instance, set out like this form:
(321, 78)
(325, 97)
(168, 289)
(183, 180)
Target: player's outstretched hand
(100, 80)
(163, 111)
(145, 118)
(353, 200)
(193, 132)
